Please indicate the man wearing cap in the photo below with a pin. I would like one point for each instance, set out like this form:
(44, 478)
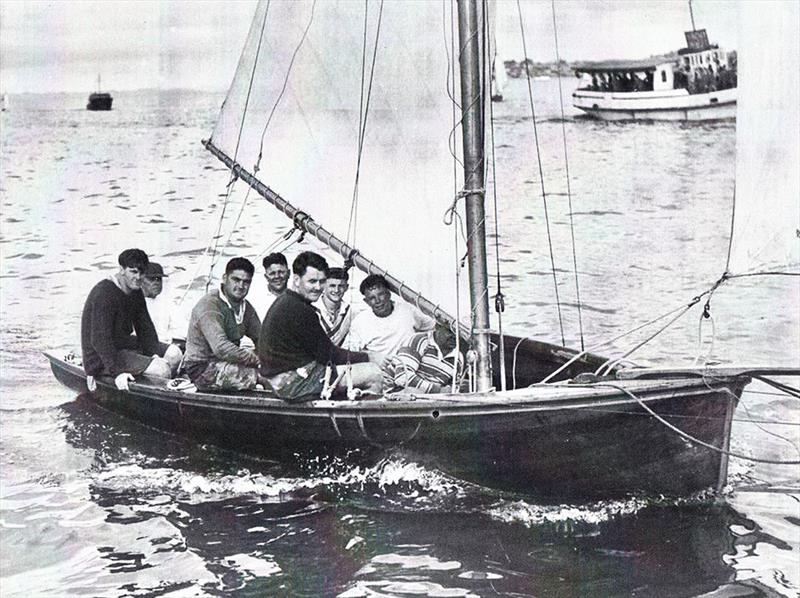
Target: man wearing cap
(152, 285)
(114, 308)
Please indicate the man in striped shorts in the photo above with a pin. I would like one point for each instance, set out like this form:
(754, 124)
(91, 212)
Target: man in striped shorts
(425, 364)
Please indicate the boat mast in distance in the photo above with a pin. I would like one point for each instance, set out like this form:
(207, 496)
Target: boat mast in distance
(472, 128)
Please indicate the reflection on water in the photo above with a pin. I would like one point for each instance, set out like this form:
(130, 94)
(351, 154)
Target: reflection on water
(93, 504)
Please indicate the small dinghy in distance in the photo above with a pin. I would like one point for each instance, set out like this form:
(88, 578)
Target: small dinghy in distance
(542, 419)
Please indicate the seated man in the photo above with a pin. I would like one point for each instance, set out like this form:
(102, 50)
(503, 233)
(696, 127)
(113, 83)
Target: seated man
(114, 308)
(425, 364)
(276, 273)
(152, 285)
(334, 312)
(388, 325)
(214, 360)
(294, 349)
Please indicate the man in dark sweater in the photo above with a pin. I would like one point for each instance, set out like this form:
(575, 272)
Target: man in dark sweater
(113, 310)
(293, 347)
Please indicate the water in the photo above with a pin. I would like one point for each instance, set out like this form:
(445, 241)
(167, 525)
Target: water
(93, 504)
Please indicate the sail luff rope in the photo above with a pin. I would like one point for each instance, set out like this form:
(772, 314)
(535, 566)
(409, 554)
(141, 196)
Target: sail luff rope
(689, 437)
(236, 149)
(569, 188)
(499, 298)
(541, 171)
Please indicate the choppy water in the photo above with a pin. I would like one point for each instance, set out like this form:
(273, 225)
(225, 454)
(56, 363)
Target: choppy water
(93, 504)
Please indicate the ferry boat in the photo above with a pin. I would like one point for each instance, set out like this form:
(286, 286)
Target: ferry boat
(698, 83)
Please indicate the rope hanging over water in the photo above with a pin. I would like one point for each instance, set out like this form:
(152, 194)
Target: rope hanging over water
(691, 438)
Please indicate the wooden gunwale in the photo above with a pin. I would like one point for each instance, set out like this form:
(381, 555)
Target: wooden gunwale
(539, 398)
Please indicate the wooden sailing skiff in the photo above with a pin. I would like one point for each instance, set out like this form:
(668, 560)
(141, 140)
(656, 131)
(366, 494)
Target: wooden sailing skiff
(554, 441)
(559, 423)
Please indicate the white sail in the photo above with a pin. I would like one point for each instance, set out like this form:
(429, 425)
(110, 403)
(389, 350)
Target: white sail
(310, 147)
(766, 231)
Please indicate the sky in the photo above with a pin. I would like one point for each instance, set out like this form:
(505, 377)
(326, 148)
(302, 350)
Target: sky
(63, 45)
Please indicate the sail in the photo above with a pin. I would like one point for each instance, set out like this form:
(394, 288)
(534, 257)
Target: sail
(294, 111)
(766, 229)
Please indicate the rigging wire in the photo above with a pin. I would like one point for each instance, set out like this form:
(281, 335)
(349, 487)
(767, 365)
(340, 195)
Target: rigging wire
(541, 170)
(363, 113)
(569, 189)
(499, 297)
(257, 165)
(236, 150)
(450, 85)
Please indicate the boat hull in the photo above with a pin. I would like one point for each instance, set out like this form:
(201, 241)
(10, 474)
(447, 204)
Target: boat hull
(99, 101)
(590, 443)
(672, 105)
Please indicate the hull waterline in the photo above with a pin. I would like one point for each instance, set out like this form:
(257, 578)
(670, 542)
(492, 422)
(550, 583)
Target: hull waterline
(555, 443)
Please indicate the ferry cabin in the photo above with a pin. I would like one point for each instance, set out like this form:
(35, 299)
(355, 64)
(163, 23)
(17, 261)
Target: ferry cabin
(697, 83)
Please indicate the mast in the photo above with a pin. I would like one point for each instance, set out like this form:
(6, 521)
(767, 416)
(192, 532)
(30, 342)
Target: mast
(691, 15)
(472, 134)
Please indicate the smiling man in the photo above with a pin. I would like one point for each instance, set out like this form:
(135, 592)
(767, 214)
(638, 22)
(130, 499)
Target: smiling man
(293, 347)
(388, 325)
(113, 310)
(214, 358)
(334, 313)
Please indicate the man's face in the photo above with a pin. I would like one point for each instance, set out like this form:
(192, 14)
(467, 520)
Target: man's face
(380, 300)
(335, 289)
(277, 276)
(130, 279)
(151, 287)
(311, 284)
(236, 285)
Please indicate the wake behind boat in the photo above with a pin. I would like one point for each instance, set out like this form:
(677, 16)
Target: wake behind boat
(540, 418)
(696, 84)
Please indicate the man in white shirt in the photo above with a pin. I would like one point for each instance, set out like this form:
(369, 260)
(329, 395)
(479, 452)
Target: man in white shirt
(387, 325)
(152, 285)
(276, 273)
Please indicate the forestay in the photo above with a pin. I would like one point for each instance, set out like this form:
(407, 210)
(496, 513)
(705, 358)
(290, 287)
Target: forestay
(766, 230)
(298, 101)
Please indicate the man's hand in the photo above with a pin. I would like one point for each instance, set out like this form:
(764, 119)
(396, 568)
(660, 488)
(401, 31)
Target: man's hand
(122, 380)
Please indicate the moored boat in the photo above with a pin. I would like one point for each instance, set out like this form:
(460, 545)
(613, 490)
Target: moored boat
(99, 100)
(696, 84)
